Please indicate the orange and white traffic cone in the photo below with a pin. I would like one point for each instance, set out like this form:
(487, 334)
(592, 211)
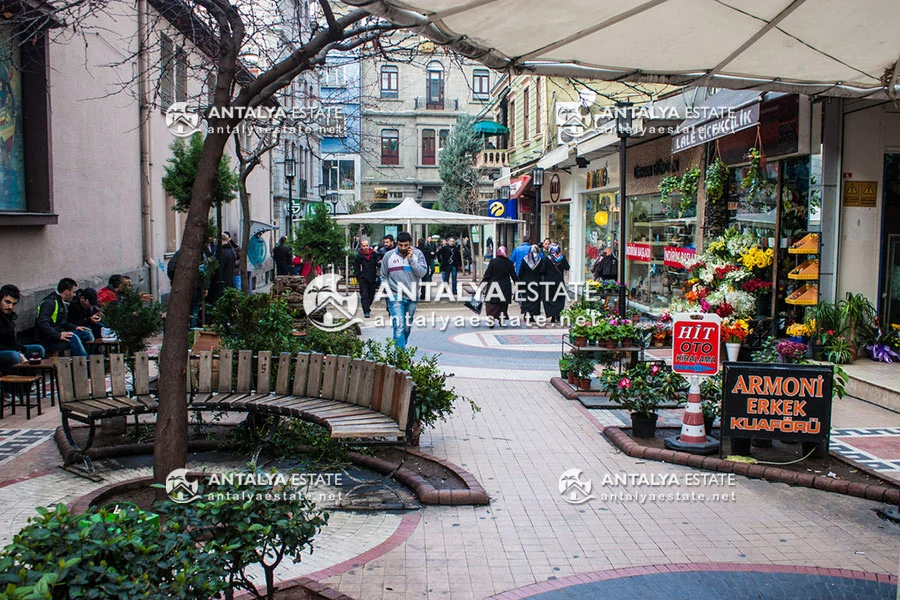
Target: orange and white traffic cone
(693, 436)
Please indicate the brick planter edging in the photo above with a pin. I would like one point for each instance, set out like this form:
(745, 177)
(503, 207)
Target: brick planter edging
(562, 386)
(869, 491)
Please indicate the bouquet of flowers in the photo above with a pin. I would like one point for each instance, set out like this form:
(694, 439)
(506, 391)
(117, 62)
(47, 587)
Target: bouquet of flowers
(735, 331)
(798, 330)
(884, 348)
(791, 351)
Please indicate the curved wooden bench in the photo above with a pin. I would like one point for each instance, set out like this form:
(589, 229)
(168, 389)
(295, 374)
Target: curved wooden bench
(357, 400)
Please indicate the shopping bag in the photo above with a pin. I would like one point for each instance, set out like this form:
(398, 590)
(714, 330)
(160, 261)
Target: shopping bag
(475, 303)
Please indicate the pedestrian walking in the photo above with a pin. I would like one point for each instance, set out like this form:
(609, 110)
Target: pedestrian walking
(365, 269)
(450, 259)
(429, 262)
(498, 283)
(554, 287)
(401, 270)
(531, 273)
(283, 257)
(520, 252)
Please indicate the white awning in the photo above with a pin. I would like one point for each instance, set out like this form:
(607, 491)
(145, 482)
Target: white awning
(814, 47)
(411, 212)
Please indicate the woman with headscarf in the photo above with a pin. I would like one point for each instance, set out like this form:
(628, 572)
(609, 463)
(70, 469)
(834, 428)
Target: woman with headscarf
(498, 289)
(555, 288)
(530, 274)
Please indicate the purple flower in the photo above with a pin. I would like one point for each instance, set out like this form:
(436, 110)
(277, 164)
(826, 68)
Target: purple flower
(883, 353)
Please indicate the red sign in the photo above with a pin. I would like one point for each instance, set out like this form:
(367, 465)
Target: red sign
(638, 252)
(678, 257)
(696, 341)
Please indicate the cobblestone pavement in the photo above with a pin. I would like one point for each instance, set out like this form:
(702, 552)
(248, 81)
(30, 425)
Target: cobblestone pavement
(525, 437)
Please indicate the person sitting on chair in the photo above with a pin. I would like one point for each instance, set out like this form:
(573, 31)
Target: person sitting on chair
(54, 330)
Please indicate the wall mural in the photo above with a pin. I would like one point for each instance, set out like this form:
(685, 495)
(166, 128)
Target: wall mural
(12, 146)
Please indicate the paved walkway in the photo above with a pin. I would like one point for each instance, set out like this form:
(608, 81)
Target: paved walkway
(742, 534)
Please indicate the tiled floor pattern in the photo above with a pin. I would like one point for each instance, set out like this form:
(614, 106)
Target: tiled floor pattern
(14, 442)
(875, 448)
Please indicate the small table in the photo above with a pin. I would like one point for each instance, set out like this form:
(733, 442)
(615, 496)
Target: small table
(46, 369)
(19, 386)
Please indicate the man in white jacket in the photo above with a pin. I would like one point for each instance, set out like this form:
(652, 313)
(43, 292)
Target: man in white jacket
(401, 270)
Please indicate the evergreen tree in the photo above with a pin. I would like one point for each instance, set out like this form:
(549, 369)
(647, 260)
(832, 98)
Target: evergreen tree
(181, 171)
(457, 168)
(319, 239)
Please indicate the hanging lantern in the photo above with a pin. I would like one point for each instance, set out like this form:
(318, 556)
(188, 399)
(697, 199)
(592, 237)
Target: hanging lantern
(601, 218)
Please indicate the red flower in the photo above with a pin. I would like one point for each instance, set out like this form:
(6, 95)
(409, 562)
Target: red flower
(625, 383)
(724, 310)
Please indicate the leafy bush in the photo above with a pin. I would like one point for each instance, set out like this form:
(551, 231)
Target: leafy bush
(134, 320)
(294, 439)
(434, 399)
(336, 343)
(254, 322)
(61, 555)
(644, 387)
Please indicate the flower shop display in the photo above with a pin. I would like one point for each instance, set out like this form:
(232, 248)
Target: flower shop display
(734, 332)
(642, 389)
(799, 332)
(886, 346)
(791, 352)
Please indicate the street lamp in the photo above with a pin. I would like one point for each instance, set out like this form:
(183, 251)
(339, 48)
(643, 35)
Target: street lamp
(624, 118)
(290, 171)
(537, 180)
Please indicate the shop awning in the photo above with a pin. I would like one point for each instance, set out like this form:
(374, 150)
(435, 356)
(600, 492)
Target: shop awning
(814, 47)
(518, 185)
(490, 128)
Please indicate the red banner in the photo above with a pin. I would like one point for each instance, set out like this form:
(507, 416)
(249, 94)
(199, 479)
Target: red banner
(678, 257)
(638, 252)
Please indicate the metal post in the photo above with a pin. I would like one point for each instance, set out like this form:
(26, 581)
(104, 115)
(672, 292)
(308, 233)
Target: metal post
(290, 209)
(536, 237)
(221, 280)
(623, 214)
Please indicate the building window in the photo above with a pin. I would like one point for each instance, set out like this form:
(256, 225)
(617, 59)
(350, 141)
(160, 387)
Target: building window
(181, 75)
(339, 175)
(428, 151)
(481, 84)
(390, 81)
(443, 139)
(173, 76)
(334, 76)
(390, 147)
(526, 115)
(434, 87)
(537, 107)
(512, 123)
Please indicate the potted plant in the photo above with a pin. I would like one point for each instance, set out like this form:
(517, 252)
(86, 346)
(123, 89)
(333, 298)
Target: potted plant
(711, 400)
(584, 367)
(798, 332)
(837, 350)
(791, 352)
(716, 180)
(580, 334)
(627, 334)
(885, 346)
(642, 389)
(660, 335)
(857, 317)
(734, 332)
(566, 363)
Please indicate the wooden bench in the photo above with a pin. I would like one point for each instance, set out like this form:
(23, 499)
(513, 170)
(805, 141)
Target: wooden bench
(358, 401)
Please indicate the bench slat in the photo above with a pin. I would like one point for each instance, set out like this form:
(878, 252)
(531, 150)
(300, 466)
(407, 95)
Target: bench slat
(98, 375)
(64, 383)
(117, 375)
(330, 371)
(381, 372)
(226, 369)
(338, 411)
(354, 388)
(133, 403)
(401, 412)
(141, 374)
(370, 418)
(365, 394)
(264, 372)
(342, 379)
(245, 371)
(80, 377)
(314, 377)
(283, 379)
(149, 401)
(300, 374)
(366, 433)
(204, 382)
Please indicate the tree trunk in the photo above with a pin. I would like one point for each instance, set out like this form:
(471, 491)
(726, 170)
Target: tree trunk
(170, 446)
(245, 235)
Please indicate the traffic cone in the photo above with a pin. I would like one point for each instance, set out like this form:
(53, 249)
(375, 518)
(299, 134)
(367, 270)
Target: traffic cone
(693, 436)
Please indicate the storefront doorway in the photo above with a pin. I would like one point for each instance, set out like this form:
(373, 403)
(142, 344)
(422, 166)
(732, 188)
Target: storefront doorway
(890, 242)
(558, 226)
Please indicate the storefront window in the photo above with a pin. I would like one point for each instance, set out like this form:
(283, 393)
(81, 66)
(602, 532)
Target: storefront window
(558, 226)
(601, 219)
(12, 141)
(658, 249)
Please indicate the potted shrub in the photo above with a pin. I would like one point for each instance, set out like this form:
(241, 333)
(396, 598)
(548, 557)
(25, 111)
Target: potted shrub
(857, 317)
(641, 390)
(566, 363)
(627, 334)
(791, 352)
(580, 334)
(585, 369)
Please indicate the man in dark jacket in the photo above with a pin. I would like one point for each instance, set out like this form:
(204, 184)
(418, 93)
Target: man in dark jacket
(54, 331)
(365, 269)
(12, 352)
(606, 267)
(283, 257)
(451, 262)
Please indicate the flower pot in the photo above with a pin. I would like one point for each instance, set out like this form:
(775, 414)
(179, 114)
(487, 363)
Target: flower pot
(570, 377)
(581, 341)
(798, 339)
(643, 426)
(592, 342)
(611, 344)
(733, 350)
(563, 374)
(627, 342)
(585, 383)
(708, 424)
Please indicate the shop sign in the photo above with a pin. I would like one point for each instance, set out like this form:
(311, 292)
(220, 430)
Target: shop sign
(554, 188)
(696, 343)
(497, 209)
(597, 179)
(638, 252)
(679, 258)
(774, 401)
(736, 120)
(658, 169)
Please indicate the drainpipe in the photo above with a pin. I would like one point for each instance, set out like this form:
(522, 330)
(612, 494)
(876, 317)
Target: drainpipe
(144, 136)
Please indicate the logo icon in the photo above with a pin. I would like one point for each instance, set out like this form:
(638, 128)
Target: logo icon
(326, 307)
(574, 488)
(181, 489)
(181, 121)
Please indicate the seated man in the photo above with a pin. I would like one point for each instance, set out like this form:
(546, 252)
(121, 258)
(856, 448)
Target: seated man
(11, 351)
(54, 330)
(111, 292)
(85, 310)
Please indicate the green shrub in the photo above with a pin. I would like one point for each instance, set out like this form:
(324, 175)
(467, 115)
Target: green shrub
(134, 320)
(336, 343)
(254, 322)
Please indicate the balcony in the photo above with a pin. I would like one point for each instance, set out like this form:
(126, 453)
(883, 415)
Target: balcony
(492, 158)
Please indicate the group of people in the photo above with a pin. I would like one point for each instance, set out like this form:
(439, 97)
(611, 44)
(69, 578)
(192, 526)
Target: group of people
(286, 263)
(541, 273)
(66, 320)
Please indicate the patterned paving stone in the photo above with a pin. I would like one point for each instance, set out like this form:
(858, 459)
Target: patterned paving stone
(14, 442)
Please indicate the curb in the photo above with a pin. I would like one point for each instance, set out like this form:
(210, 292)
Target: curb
(424, 491)
(562, 386)
(868, 491)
